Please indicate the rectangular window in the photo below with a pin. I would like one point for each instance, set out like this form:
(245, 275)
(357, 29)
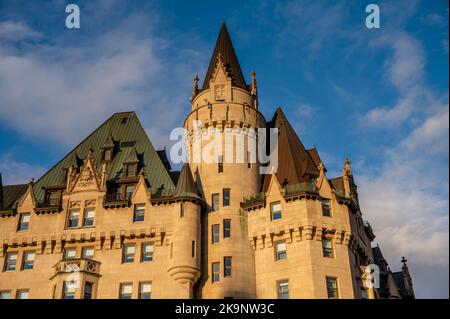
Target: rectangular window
(89, 215)
(52, 198)
(280, 250)
(74, 215)
(139, 213)
(24, 221)
(181, 210)
(147, 252)
(215, 199)
(226, 197)
(275, 210)
(145, 290)
(28, 260)
(220, 164)
(131, 170)
(22, 294)
(107, 155)
(326, 207)
(125, 291)
(226, 228)
(327, 248)
(128, 253)
(69, 290)
(88, 252)
(215, 272)
(70, 253)
(215, 233)
(88, 290)
(129, 190)
(249, 160)
(193, 249)
(227, 266)
(10, 261)
(5, 294)
(332, 288)
(283, 289)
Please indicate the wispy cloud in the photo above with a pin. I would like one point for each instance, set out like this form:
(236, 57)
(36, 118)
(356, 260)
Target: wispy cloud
(16, 172)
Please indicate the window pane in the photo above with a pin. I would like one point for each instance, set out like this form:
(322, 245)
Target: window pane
(146, 287)
(126, 288)
(30, 256)
(215, 202)
(90, 213)
(12, 256)
(226, 197)
(281, 246)
(148, 248)
(276, 207)
(130, 249)
(70, 253)
(226, 228)
(88, 252)
(25, 218)
(5, 294)
(22, 294)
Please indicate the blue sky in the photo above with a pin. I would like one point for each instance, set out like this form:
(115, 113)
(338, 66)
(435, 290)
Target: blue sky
(379, 96)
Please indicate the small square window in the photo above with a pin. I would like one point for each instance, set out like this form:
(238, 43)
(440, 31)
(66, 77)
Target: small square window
(139, 213)
(22, 294)
(88, 252)
(280, 250)
(215, 199)
(11, 261)
(107, 155)
(88, 218)
(74, 216)
(5, 294)
(145, 290)
(131, 170)
(128, 253)
(147, 252)
(275, 210)
(126, 291)
(28, 260)
(70, 253)
(129, 190)
(24, 221)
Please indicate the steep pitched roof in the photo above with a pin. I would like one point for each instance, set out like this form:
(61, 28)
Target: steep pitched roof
(186, 185)
(132, 141)
(337, 183)
(11, 194)
(315, 156)
(224, 47)
(295, 164)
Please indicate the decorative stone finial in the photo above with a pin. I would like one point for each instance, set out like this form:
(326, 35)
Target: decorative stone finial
(253, 84)
(195, 87)
(404, 260)
(31, 182)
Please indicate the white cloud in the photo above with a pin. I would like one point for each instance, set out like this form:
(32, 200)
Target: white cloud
(16, 31)
(15, 172)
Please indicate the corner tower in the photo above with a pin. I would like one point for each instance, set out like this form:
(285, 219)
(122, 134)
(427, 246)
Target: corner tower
(221, 142)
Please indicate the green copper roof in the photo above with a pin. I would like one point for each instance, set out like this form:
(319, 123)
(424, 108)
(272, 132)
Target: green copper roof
(131, 141)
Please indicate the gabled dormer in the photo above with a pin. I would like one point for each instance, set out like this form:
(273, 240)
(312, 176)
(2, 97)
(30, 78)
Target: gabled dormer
(131, 165)
(107, 149)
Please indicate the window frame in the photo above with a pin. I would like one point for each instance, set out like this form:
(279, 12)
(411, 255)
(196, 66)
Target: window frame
(226, 197)
(227, 228)
(138, 212)
(215, 236)
(227, 269)
(90, 219)
(67, 250)
(280, 292)
(83, 250)
(215, 206)
(220, 164)
(272, 212)
(69, 219)
(280, 254)
(326, 206)
(24, 259)
(124, 254)
(3, 292)
(91, 293)
(121, 294)
(19, 291)
(327, 252)
(8, 262)
(21, 223)
(215, 273)
(140, 293)
(143, 253)
(336, 289)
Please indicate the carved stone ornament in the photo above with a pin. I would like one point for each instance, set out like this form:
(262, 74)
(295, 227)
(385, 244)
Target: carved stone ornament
(86, 177)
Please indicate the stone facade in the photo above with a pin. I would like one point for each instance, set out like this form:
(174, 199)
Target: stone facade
(96, 226)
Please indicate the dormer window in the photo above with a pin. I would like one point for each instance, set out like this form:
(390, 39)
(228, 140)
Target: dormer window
(107, 154)
(52, 197)
(131, 170)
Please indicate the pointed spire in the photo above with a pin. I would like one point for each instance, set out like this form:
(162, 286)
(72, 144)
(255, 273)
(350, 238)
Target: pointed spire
(132, 157)
(186, 185)
(224, 50)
